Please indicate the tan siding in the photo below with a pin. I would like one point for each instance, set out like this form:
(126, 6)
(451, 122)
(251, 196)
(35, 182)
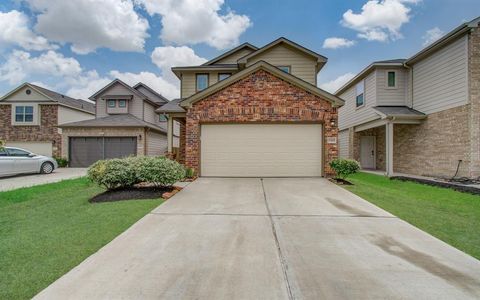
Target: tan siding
(391, 96)
(156, 143)
(68, 115)
(440, 80)
(343, 143)
(232, 58)
(135, 106)
(349, 115)
(21, 95)
(301, 65)
(150, 114)
(188, 81)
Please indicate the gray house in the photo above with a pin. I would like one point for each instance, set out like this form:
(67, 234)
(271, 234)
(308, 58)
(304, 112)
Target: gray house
(419, 115)
(125, 124)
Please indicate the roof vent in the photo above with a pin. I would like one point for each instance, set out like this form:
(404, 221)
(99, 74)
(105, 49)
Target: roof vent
(28, 92)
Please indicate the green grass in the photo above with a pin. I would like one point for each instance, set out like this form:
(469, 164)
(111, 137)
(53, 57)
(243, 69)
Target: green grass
(451, 216)
(47, 230)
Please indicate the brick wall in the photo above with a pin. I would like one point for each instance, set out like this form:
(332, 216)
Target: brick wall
(113, 132)
(434, 147)
(260, 97)
(474, 84)
(47, 131)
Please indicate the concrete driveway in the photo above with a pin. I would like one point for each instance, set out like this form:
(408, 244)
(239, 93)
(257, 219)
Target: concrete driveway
(271, 239)
(20, 181)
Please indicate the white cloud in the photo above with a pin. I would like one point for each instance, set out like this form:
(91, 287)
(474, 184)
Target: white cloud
(379, 20)
(333, 85)
(335, 43)
(14, 30)
(157, 83)
(20, 65)
(193, 22)
(432, 35)
(167, 57)
(89, 25)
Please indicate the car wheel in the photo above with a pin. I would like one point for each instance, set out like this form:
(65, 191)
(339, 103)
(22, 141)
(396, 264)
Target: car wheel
(46, 168)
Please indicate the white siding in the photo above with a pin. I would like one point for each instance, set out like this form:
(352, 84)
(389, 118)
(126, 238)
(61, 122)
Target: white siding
(440, 80)
(156, 143)
(387, 95)
(68, 115)
(343, 143)
(301, 65)
(349, 115)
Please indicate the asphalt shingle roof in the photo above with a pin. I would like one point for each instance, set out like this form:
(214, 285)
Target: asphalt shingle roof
(76, 103)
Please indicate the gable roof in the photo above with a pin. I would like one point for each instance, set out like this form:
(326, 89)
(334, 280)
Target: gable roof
(131, 89)
(263, 65)
(78, 104)
(230, 52)
(320, 58)
(172, 107)
(401, 111)
(160, 99)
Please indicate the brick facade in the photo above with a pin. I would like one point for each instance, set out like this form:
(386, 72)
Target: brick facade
(95, 132)
(260, 98)
(474, 84)
(47, 131)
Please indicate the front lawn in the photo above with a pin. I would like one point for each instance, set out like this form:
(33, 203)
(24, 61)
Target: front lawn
(47, 230)
(451, 216)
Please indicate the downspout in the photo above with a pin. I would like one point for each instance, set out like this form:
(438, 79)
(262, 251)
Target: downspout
(410, 83)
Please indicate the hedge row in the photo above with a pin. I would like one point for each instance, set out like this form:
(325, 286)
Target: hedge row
(120, 173)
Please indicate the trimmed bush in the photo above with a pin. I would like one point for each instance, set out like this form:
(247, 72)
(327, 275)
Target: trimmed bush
(62, 162)
(159, 171)
(113, 173)
(344, 167)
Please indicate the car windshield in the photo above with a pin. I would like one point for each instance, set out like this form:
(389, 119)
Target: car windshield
(17, 152)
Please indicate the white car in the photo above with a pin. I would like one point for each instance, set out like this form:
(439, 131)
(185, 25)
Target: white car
(15, 161)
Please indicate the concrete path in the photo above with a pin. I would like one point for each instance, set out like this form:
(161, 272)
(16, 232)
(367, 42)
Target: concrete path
(15, 182)
(271, 239)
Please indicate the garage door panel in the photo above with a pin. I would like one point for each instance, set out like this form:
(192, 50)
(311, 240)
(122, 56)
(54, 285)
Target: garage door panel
(84, 151)
(268, 150)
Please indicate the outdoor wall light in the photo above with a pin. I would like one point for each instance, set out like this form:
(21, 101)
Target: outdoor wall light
(332, 121)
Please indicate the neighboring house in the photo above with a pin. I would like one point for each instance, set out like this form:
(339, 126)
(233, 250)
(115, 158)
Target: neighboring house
(420, 115)
(30, 116)
(125, 124)
(256, 112)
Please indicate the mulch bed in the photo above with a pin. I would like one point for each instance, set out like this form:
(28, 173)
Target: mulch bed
(453, 186)
(133, 193)
(340, 181)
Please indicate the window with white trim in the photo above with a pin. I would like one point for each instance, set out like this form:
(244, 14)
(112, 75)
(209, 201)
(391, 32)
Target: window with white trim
(24, 114)
(122, 103)
(391, 79)
(360, 94)
(285, 69)
(111, 103)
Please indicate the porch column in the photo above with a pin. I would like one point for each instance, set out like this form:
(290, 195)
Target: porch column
(389, 148)
(170, 134)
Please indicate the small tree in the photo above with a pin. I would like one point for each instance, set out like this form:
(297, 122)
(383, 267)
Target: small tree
(344, 167)
(2, 144)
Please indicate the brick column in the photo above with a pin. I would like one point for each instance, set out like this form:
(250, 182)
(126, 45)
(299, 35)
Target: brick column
(474, 86)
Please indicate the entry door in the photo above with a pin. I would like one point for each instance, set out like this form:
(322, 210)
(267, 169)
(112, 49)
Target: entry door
(367, 152)
(261, 150)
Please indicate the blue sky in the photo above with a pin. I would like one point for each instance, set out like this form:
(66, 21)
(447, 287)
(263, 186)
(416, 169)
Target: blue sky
(76, 48)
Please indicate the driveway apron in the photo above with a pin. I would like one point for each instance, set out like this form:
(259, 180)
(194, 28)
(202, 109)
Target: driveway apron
(272, 238)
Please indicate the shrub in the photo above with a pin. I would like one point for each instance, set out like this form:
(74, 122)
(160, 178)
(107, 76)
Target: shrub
(344, 167)
(159, 171)
(113, 173)
(62, 162)
(189, 172)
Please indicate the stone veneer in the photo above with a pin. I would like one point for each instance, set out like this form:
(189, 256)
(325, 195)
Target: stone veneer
(47, 131)
(260, 98)
(68, 132)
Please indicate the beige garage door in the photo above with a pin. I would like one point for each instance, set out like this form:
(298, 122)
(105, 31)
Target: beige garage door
(42, 148)
(260, 150)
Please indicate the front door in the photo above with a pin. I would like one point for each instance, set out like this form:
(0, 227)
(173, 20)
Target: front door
(367, 152)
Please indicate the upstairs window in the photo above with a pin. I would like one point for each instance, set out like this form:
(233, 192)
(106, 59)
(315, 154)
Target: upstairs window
(23, 114)
(222, 76)
(112, 103)
(285, 69)
(162, 118)
(201, 81)
(391, 79)
(360, 93)
(122, 103)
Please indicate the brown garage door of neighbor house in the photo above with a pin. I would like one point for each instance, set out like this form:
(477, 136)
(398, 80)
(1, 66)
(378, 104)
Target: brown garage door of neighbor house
(84, 151)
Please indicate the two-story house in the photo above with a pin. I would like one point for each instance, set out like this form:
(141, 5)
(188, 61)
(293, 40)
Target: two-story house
(125, 123)
(419, 115)
(30, 117)
(254, 112)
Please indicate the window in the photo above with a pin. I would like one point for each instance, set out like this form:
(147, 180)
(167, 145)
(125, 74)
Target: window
(24, 114)
(285, 69)
(360, 93)
(111, 103)
(222, 76)
(122, 103)
(162, 118)
(391, 80)
(202, 82)
(3, 152)
(17, 152)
